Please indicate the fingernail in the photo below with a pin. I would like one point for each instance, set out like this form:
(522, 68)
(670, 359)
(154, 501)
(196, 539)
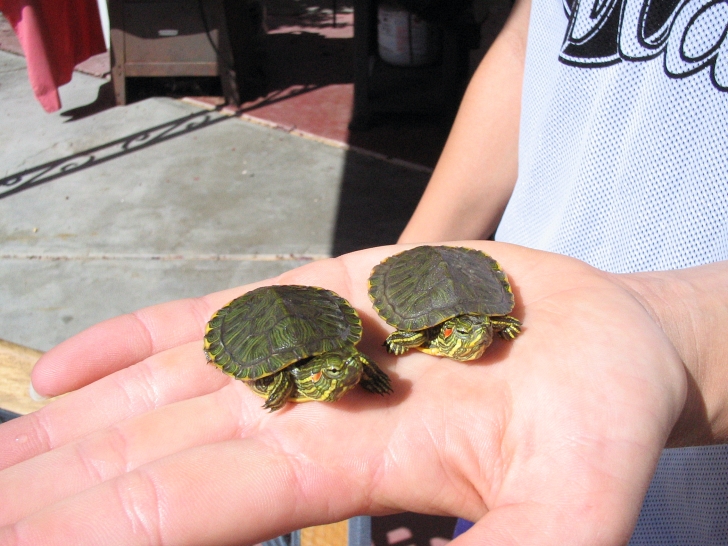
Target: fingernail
(35, 396)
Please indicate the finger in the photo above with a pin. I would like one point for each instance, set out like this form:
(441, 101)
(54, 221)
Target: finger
(122, 341)
(534, 524)
(29, 486)
(240, 491)
(561, 496)
(162, 379)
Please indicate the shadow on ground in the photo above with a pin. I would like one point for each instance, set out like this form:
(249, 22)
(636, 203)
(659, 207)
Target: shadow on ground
(373, 211)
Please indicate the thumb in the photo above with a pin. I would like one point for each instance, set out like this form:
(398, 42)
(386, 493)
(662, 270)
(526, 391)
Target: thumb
(532, 524)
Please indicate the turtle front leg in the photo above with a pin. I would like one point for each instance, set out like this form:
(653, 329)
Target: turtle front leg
(373, 379)
(507, 327)
(401, 341)
(276, 389)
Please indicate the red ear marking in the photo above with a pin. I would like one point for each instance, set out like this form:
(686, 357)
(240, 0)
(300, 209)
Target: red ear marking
(316, 377)
(447, 332)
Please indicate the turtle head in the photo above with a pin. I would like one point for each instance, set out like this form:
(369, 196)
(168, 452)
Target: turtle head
(464, 337)
(327, 377)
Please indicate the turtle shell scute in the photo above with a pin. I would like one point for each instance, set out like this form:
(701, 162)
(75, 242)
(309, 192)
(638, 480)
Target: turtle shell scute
(272, 327)
(426, 285)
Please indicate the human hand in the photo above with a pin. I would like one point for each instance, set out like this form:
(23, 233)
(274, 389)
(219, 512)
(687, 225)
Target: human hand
(550, 439)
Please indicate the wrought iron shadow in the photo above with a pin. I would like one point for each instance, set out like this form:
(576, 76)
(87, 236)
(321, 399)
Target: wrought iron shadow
(52, 170)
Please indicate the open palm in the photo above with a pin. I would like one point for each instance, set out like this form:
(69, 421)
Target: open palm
(550, 439)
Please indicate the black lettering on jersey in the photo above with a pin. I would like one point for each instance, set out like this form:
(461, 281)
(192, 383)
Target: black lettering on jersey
(689, 35)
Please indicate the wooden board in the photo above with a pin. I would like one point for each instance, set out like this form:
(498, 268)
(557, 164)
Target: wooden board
(16, 362)
(335, 534)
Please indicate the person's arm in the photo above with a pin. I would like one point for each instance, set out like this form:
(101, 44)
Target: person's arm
(691, 307)
(475, 174)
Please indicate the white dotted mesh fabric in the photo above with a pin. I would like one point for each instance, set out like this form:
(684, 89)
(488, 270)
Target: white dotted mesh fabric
(686, 502)
(624, 166)
(623, 163)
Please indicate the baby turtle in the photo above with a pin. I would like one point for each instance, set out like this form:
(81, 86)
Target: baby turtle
(443, 300)
(292, 343)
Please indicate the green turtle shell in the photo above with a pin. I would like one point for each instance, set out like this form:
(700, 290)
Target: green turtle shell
(270, 328)
(427, 285)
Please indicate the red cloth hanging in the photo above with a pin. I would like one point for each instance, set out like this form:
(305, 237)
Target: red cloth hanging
(55, 36)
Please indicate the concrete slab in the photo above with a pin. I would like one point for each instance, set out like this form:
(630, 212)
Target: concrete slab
(46, 301)
(105, 212)
(226, 186)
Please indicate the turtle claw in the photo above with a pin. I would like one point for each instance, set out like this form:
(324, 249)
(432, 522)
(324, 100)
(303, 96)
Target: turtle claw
(395, 348)
(508, 327)
(279, 390)
(373, 379)
(271, 408)
(400, 341)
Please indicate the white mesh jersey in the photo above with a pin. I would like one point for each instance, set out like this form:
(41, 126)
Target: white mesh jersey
(623, 163)
(623, 158)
